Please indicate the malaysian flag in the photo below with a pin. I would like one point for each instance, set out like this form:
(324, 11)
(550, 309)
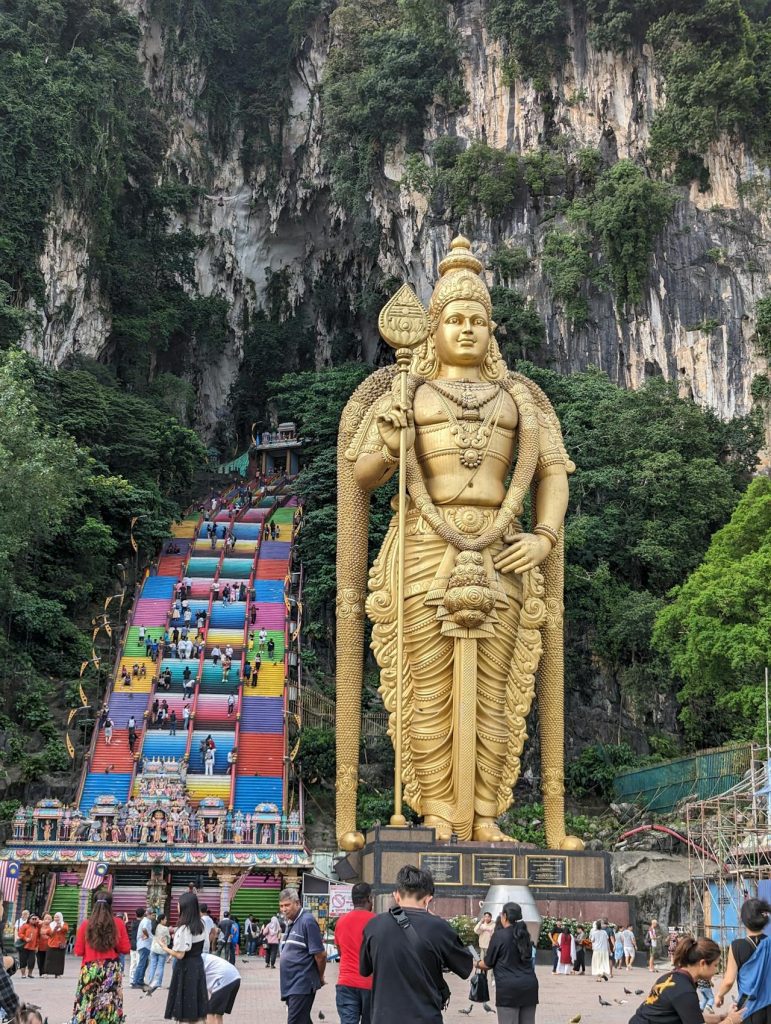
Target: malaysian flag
(95, 873)
(10, 870)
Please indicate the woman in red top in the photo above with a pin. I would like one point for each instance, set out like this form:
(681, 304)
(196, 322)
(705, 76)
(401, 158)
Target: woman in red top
(30, 933)
(57, 942)
(101, 940)
(42, 946)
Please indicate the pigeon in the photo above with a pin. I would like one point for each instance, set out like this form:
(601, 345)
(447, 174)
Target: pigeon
(321, 1016)
(621, 1002)
(487, 1008)
(627, 990)
(465, 1012)
(604, 1002)
(639, 991)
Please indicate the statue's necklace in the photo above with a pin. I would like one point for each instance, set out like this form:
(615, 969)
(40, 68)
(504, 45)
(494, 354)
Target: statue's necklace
(467, 394)
(472, 444)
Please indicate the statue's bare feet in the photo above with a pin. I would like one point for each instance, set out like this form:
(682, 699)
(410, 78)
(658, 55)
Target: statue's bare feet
(571, 843)
(441, 827)
(486, 831)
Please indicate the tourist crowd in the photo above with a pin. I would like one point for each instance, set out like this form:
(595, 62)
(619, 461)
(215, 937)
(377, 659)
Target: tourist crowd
(392, 965)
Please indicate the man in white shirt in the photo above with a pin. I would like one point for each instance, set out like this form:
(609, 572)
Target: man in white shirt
(208, 926)
(222, 983)
(144, 942)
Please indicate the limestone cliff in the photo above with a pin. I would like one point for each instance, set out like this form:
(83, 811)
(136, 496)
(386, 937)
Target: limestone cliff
(710, 266)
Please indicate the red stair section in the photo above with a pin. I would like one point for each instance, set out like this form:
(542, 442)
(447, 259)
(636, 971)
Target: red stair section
(115, 754)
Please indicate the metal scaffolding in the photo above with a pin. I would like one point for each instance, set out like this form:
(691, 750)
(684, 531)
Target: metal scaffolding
(729, 851)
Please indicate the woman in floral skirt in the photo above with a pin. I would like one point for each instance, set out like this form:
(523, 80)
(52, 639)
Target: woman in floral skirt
(100, 941)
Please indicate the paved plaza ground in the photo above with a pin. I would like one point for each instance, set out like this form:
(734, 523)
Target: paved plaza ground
(259, 1003)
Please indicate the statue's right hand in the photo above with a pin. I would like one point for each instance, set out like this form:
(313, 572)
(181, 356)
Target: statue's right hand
(391, 424)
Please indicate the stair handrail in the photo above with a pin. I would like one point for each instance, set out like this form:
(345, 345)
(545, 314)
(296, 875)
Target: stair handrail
(244, 652)
(50, 893)
(158, 661)
(202, 656)
(88, 757)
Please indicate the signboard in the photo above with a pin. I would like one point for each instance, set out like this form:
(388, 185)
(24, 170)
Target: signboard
(445, 867)
(340, 901)
(547, 871)
(319, 907)
(488, 866)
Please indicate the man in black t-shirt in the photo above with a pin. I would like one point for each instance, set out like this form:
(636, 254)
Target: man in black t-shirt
(405, 951)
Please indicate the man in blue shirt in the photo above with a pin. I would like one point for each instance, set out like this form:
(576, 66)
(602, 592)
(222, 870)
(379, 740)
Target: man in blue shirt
(303, 959)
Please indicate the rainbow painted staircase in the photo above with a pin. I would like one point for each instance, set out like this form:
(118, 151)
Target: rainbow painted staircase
(256, 568)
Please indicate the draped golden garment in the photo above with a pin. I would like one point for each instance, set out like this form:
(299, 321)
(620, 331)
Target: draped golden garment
(467, 691)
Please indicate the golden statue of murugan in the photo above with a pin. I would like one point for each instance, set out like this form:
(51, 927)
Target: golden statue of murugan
(481, 609)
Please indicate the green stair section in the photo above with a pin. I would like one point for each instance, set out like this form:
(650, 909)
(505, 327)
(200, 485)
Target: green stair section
(283, 515)
(65, 902)
(260, 903)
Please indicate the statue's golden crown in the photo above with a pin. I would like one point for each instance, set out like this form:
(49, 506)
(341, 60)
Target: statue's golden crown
(459, 279)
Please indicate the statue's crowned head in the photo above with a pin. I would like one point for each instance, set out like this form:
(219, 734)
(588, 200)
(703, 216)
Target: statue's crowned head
(460, 292)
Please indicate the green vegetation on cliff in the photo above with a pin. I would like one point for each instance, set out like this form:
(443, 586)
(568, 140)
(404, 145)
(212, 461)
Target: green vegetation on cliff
(79, 459)
(79, 133)
(389, 62)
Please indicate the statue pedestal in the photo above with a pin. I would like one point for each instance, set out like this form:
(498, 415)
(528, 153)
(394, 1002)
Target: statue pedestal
(564, 883)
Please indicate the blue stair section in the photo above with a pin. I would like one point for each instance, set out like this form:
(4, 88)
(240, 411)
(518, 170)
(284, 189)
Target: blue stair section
(159, 587)
(159, 744)
(246, 531)
(269, 591)
(99, 784)
(250, 792)
(224, 743)
(177, 666)
(228, 616)
(262, 714)
(236, 568)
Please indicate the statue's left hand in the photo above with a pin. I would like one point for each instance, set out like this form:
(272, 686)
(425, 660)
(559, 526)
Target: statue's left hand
(525, 552)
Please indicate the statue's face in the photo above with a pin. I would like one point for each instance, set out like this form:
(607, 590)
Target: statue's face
(463, 335)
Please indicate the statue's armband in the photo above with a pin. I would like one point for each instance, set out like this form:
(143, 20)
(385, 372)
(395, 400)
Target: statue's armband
(552, 458)
(367, 437)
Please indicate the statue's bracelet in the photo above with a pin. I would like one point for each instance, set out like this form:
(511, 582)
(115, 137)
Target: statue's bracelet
(542, 530)
(388, 458)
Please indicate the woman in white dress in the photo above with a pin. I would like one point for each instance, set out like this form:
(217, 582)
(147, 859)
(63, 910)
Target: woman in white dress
(600, 952)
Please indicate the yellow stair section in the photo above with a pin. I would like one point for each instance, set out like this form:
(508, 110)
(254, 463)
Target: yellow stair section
(138, 684)
(199, 786)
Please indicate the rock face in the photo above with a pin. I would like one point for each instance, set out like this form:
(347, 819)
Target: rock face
(694, 325)
(660, 884)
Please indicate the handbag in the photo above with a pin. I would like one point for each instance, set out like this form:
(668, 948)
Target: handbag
(479, 990)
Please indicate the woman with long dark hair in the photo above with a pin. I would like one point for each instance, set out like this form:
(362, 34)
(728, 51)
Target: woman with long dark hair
(755, 916)
(187, 1000)
(673, 998)
(510, 957)
(101, 940)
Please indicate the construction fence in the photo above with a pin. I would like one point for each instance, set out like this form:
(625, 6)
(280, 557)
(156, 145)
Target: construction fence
(701, 776)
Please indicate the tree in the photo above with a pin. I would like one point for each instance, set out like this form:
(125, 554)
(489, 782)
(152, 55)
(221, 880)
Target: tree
(716, 633)
(656, 476)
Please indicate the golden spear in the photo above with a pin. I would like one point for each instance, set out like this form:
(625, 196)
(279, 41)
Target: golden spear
(403, 324)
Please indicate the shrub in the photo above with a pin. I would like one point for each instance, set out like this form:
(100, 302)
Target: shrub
(760, 389)
(534, 38)
(464, 926)
(627, 211)
(508, 261)
(567, 262)
(593, 771)
(763, 326)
